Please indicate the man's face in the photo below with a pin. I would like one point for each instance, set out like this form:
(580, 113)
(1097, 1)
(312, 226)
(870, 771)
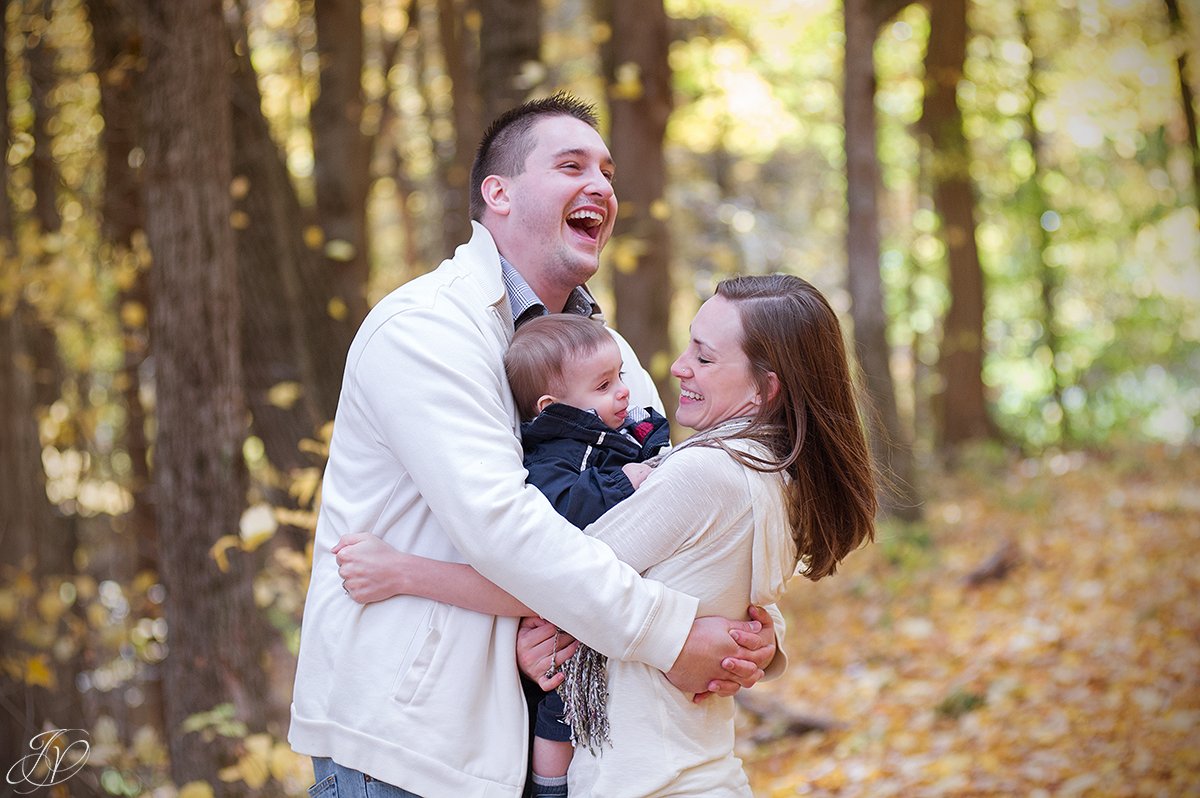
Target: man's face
(563, 205)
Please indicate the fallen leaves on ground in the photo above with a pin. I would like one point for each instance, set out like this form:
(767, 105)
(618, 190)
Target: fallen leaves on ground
(1074, 670)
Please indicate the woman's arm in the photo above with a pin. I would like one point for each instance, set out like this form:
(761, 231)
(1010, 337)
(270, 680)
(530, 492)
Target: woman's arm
(371, 570)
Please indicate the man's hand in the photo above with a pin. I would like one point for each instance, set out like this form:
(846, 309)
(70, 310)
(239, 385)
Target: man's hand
(538, 653)
(721, 656)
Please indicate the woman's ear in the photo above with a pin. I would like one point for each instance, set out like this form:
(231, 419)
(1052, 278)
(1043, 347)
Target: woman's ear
(772, 385)
(495, 194)
(544, 401)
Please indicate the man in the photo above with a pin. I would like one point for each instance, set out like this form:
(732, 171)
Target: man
(423, 696)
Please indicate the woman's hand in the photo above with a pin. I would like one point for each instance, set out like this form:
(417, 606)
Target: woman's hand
(722, 656)
(539, 653)
(371, 570)
(745, 671)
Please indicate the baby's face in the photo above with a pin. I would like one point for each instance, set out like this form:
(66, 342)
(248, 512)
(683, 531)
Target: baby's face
(594, 383)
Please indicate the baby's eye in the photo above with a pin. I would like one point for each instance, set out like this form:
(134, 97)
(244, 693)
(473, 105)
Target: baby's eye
(703, 360)
(603, 386)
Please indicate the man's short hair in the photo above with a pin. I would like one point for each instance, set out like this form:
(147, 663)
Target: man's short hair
(540, 347)
(507, 142)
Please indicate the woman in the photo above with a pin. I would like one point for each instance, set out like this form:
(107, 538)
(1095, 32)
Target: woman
(777, 476)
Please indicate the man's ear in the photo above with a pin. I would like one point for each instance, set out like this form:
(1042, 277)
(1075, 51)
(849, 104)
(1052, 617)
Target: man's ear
(544, 401)
(495, 194)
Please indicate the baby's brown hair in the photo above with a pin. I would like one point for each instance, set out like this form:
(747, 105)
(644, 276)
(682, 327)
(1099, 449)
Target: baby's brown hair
(539, 348)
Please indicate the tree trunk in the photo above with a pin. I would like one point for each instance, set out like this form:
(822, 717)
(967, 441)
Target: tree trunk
(293, 351)
(28, 516)
(458, 54)
(40, 57)
(510, 43)
(639, 92)
(1186, 95)
(116, 49)
(1047, 274)
(888, 440)
(341, 159)
(36, 344)
(215, 630)
(962, 412)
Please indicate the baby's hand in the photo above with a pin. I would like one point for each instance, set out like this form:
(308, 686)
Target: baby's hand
(637, 473)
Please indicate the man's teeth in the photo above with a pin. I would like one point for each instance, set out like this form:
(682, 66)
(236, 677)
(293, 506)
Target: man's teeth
(587, 216)
(690, 395)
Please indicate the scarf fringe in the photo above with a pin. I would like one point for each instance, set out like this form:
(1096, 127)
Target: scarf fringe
(584, 694)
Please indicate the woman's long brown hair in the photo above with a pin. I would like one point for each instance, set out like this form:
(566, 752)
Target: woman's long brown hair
(811, 425)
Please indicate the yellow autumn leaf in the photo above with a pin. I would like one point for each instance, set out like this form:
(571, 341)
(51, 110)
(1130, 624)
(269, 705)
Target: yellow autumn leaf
(301, 519)
(340, 249)
(284, 395)
(51, 606)
(8, 606)
(628, 83)
(257, 526)
(337, 308)
(196, 789)
(220, 549)
(314, 237)
(38, 672)
(133, 315)
(284, 762)
(304, 484)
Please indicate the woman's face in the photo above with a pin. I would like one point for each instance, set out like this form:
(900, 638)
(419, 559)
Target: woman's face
(715, 382)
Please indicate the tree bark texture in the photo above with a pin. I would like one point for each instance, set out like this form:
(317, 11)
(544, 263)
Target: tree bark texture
(510, 44)
(639, 81)
(888, 440)
(117, 47)
(40, 59)
(963, 414)
(1186, 95)
(460, 56)
(288, 337)
(215, 630)
(341, 156)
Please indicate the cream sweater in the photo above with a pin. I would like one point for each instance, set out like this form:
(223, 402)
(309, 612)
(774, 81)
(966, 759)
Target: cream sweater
(705, 525)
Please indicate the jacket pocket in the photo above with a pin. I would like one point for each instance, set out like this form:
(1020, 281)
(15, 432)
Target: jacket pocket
(421, 650)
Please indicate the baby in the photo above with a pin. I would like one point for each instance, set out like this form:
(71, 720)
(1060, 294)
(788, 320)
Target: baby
(585, 449)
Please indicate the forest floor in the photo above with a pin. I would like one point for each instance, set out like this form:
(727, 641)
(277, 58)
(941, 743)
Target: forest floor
(1074, 670)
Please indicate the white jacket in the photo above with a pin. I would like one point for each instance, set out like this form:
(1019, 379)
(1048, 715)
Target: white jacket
(425, 454)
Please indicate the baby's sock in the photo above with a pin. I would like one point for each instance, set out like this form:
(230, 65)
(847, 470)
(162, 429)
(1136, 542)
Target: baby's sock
(549, 786)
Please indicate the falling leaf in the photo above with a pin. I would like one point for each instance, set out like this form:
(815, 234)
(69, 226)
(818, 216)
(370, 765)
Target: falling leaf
(284, 395)
(257, 526)
(196, 789)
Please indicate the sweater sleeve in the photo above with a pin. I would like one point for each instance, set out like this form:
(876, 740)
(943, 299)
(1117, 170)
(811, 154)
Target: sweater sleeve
(663, 516)
(446, 423)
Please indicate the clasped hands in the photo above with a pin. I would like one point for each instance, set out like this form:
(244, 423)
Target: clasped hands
(719, 657)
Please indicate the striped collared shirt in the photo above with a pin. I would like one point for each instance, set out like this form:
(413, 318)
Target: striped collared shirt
(526, 305)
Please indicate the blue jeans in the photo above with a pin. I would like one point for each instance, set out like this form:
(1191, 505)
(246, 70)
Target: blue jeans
(335, 781)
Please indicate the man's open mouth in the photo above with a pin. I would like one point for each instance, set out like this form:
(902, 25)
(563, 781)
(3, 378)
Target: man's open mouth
(586, 221)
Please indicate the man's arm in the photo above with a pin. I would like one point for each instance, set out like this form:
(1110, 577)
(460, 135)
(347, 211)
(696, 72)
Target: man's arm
(447, 421)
